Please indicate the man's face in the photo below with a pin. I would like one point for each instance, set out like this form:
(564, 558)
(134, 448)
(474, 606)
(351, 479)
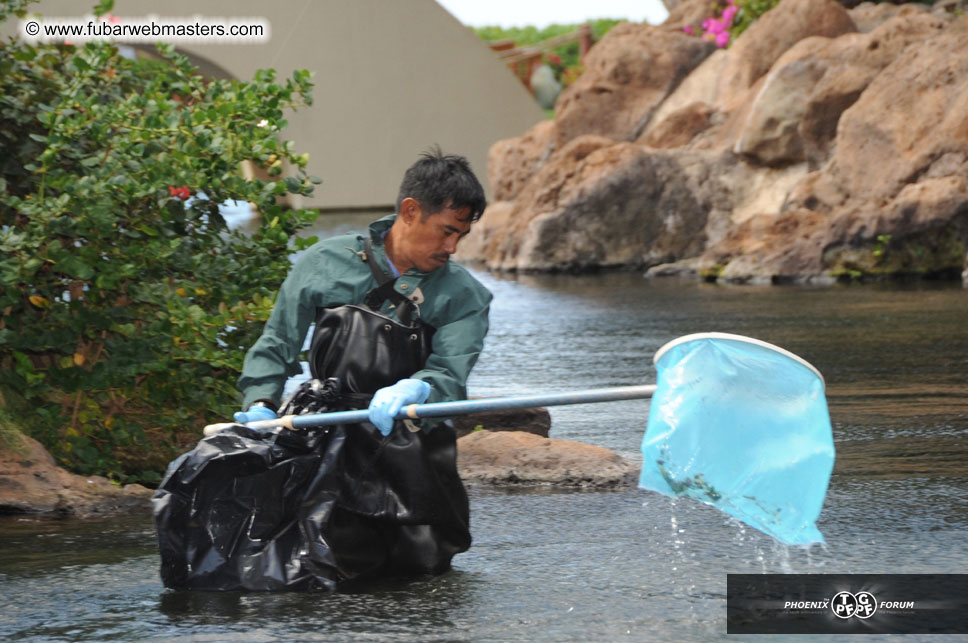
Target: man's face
(427, 242)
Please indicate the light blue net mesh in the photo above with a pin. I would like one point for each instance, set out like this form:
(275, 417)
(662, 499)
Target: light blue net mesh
(743, 426)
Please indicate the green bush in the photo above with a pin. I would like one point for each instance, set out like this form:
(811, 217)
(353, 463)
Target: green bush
(125, 314)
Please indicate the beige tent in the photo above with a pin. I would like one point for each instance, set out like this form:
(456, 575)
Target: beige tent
(393, 77)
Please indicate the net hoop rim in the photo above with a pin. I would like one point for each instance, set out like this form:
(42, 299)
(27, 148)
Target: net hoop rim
(737, 338)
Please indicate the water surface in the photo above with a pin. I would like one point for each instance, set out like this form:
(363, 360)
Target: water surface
(577, 566)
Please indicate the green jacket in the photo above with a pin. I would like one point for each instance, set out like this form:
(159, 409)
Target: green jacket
(333, 272)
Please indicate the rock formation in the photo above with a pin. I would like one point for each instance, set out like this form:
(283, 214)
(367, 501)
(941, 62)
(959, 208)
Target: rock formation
(32, 483)
(825, 142)
(515, 457)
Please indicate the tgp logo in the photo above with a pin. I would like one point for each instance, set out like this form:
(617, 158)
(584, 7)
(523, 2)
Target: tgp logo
(861, 605)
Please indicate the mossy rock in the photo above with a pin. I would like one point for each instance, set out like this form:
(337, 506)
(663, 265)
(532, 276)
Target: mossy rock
(932, 253)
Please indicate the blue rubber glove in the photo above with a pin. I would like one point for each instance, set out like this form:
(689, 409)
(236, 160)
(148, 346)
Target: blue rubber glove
(388, 401)
(255, 414)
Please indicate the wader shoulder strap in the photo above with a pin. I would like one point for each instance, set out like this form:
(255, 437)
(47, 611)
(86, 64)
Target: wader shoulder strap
(381, 275)
(385, 290)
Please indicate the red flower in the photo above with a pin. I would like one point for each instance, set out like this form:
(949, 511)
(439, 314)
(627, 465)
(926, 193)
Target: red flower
(182, 193)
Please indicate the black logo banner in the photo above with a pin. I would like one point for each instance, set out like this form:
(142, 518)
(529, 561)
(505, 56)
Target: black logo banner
(847, 604)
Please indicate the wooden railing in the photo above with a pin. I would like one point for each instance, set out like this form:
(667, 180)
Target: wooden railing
(524, 60)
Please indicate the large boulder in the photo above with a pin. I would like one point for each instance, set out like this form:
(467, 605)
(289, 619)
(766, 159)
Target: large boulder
(762, 44)
(754, 114)
(839, 88)
(696, 93)
(681, 127)
(32, 483)
(794, 116)
(868, 15)
(486, 233)
(595, 204)
(627, 76)
(807, 150)
(893, 198)
(909, 117)
(770, 136)
(512, 161)
(510, 457)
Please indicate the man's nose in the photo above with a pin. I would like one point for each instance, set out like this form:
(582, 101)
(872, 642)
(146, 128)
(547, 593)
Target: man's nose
(450, 244)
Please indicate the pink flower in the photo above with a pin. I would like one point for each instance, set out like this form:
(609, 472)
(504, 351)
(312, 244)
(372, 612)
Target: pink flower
(713, 26)
(722, 39)
(728, 14)
(689, 30)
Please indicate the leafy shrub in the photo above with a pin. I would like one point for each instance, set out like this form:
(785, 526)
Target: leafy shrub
(126, 308)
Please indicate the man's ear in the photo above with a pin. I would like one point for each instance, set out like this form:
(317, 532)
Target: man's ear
(409, 210)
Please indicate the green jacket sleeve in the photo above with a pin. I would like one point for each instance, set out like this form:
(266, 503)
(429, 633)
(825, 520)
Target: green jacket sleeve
(275, 356)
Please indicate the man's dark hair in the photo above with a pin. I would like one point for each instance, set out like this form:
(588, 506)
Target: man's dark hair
(439, 181)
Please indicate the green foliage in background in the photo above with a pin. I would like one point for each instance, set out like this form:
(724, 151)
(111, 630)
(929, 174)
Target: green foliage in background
(749, 12)
(530, 35)
(126, 307)
(567, 55)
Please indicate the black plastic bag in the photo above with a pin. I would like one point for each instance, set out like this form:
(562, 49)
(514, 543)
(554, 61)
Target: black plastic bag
(319, 507)
(311, 508)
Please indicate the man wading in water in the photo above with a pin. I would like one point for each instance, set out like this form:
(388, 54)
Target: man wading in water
(397, 323)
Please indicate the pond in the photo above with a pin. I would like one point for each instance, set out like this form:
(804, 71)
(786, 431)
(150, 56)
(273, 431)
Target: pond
(591, 565)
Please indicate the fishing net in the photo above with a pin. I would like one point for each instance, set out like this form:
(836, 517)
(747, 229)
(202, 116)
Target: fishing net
(742, 425)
